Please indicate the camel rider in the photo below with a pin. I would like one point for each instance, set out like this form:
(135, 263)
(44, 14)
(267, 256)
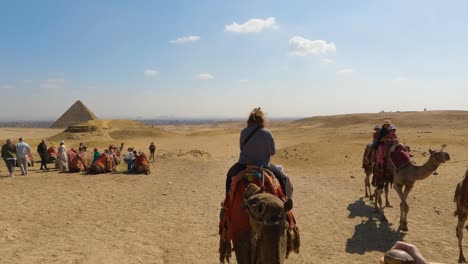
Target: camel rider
(257, 146)
(375, 134)
(382, 133)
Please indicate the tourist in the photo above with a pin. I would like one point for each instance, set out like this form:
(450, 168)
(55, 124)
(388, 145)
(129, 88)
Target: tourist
(22, 151)
(257, 146)
(129, 159)
(9, 156)
(62, 157)
(152, 149)
(95, 154)
(42, 151)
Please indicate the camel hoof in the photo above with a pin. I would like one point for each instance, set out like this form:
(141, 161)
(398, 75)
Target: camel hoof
(389, 205)
(403, 228)
(461, 260)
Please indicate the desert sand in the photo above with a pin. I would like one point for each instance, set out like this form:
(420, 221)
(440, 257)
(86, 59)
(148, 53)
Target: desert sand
(171, 215)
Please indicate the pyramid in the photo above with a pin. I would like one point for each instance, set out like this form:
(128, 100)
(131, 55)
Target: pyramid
(76, 114)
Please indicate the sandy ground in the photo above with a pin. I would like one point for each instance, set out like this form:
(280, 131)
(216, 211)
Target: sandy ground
(171, 215)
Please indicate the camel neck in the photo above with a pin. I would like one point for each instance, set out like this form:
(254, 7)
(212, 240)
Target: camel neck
(427, 169)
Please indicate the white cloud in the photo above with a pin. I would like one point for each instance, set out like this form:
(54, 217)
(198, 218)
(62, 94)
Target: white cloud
(151, 72)
(345, 71)
(327, 61)
(252, 25)
(7, 87)
(300, 46)
(205, 76)
(186, 39)
(401, 78)
(53, 83)
(243, 80)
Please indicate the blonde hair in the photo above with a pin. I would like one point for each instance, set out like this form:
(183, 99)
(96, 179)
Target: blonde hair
(257, 118)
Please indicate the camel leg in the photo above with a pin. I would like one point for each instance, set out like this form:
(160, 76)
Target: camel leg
(366, 184)
(461, 223)
(399, 191)
(242, 247)
(387, 203)
(378, 203)
(404, 224)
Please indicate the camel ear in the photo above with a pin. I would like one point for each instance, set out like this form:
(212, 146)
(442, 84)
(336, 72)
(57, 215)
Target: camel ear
(431, 151)
(288, 205)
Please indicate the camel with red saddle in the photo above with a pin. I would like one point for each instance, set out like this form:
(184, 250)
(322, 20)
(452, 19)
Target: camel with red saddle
(77, 161)
(106, 162)
(142, 164)
(256, 216)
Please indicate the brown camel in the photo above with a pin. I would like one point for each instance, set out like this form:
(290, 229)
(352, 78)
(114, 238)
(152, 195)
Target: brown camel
(461, 199)
(407, 175)
(268, 238)
(257, 221)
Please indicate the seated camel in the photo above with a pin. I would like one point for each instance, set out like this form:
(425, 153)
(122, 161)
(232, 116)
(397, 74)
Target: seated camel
(106, 162)
(52, 154)
(461, 200)
(257, 220)
(142, 164)
(77, 161)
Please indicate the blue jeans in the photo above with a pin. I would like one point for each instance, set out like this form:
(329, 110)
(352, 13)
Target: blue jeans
(10, 165)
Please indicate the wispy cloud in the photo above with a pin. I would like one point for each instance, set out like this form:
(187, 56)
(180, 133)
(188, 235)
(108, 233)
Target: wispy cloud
(53, 83)
(300, 46)
(327, 61)
(400, 78)
(7, 87)
(151, 72)
(252, 25)
(345, 71)
(205, 76)
(186, 39)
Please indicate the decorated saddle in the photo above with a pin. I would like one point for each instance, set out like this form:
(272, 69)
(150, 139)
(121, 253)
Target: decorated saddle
(77, 160)
(400, 156)
(142, 164)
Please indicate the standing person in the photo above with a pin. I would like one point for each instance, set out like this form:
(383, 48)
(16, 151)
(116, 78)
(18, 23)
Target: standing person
(9, 156)
(42, 150)
(22, 150)
(95, 155)
(256, 147)
(62, 157)
(152, 149)
(129, 159)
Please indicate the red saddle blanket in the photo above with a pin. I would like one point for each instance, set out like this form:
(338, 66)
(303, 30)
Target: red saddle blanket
(400, 156)
(235, 220)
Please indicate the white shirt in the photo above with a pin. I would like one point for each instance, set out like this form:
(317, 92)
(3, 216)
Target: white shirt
(22, 150)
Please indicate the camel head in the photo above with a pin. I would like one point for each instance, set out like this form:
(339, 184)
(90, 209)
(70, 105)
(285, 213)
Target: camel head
(269, 227)
(439, 157)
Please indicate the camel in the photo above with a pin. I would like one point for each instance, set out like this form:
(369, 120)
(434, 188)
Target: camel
(461, 200)
(408, 174)
(142, 164)
(257, 220)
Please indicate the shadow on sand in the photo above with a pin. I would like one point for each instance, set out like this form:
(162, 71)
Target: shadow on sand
(371, 234)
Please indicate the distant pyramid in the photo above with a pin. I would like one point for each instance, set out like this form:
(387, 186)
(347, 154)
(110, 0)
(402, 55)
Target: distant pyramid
(76, 114)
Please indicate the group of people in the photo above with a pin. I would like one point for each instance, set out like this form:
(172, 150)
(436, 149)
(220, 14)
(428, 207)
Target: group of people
(14, 154)
(383, 139)
(20, 154)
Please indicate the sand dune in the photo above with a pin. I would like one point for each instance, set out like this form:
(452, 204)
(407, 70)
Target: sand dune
(171, 215)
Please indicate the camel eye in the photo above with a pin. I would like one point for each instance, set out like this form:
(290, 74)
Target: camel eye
(261, 208)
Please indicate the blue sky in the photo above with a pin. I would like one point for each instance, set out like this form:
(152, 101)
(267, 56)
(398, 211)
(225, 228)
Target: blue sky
(187, 59)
